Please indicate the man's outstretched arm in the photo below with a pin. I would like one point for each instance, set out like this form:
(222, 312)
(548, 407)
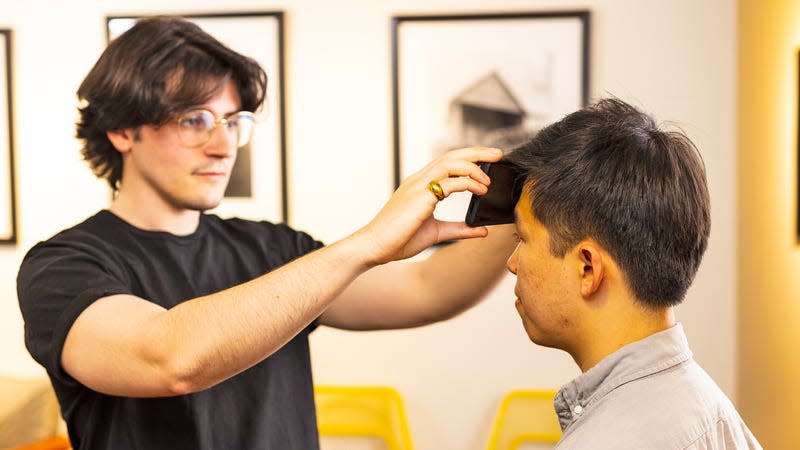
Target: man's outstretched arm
(124, 345)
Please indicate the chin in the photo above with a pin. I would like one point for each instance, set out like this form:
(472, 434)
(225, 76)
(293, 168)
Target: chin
(535, 335)
(545, 343)
(202, 204)
(545, 339)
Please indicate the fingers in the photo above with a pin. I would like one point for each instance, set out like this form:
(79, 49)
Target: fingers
(461, 184)
(462, 163)
(477, 154)
(457, 171)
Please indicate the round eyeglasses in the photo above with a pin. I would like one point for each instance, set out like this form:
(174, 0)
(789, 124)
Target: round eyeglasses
(196, 127)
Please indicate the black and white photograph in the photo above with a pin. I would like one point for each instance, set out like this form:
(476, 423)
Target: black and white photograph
(457, 85)
(257, 187)
(8, 234)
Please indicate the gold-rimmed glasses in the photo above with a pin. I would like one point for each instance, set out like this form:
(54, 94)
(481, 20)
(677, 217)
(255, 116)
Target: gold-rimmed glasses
(196, 127)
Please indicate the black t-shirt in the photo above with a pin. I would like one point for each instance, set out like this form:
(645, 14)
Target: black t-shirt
(269, 406)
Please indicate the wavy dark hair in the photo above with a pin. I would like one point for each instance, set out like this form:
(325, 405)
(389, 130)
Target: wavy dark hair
(156, 70)
(608, 172)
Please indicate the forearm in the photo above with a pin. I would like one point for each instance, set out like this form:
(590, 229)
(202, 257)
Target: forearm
(209, 339)
(458, 276)
(405, 294)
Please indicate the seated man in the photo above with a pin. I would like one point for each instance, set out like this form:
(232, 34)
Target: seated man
(612, 223)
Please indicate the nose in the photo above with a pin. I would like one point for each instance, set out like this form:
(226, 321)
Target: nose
(511, 264)
(222, 143)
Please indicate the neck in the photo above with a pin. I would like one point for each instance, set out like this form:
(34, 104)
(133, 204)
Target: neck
(154, 217)
(616, 329)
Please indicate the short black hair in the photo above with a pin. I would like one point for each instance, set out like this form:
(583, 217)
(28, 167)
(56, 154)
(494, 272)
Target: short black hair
(608, 172)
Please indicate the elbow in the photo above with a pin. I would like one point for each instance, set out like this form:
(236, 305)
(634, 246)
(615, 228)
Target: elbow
(181, 375)
(177, 386)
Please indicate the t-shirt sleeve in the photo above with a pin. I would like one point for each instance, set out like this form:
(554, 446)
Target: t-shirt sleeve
(284, 244)
(57, 281)
(306, 244)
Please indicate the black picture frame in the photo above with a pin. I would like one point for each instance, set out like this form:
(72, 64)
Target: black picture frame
(8, 207)
(482, 79)
(258, 186)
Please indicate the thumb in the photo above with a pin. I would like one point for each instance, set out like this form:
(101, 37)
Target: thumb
(459, 230)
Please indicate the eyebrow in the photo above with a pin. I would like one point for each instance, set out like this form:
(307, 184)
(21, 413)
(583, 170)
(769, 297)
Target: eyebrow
(224, 115)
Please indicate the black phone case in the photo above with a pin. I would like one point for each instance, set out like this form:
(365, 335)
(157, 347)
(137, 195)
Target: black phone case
(496, 207)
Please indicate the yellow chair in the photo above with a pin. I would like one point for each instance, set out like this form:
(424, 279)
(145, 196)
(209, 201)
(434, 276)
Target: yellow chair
(53, 443)
(368, 411)
(525, 416)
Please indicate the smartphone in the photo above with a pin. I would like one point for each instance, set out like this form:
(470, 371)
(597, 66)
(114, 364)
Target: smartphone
(497, 205)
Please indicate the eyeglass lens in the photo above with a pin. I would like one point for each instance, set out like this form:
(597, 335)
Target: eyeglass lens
(196, 127)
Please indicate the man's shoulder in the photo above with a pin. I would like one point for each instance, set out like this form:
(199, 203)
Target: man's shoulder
(669, 409)
(90, 233)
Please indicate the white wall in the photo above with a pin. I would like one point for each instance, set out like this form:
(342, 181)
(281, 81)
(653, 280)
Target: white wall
(676, 59)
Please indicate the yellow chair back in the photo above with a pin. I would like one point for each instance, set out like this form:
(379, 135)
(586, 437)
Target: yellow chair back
(369, 411)
(525, 416)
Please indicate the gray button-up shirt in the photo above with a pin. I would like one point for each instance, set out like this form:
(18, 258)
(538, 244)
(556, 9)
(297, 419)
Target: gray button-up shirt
(649, 394)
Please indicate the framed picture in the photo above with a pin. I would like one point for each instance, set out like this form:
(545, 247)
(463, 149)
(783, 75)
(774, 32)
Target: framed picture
(257, 188)
(8, 216)
(487, 80)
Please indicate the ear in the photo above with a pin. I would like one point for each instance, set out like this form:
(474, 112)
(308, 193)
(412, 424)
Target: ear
(592, 267)
(122, 139)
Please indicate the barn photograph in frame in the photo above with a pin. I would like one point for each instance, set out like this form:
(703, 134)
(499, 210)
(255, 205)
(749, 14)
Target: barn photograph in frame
(257, 188)
(486, 80)
(8, 221)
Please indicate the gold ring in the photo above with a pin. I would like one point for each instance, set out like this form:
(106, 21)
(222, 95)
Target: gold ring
(436, 189)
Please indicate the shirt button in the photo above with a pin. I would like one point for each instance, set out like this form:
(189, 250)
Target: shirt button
(577, 409)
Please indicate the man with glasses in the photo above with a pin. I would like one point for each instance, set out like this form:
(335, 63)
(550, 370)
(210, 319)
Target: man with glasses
(162, 327)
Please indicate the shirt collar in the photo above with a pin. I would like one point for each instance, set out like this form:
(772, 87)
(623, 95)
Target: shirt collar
(636, 360)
